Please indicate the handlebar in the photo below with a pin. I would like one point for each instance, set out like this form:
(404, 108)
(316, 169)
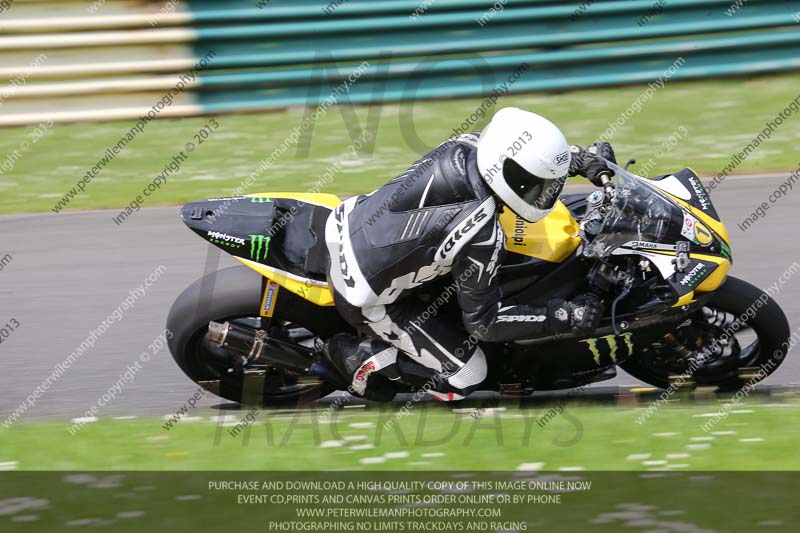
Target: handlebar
(608, 185)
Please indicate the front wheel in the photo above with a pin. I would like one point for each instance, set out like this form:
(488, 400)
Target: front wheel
(738, 339)
(234, 295)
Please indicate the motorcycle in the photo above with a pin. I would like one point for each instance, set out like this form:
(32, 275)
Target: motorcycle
(655, 249)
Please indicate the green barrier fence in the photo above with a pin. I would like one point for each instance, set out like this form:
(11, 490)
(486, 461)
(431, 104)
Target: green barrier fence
(113, 60)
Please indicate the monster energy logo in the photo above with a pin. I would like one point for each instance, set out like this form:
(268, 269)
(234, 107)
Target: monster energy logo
(611, 340)
(702, 195)
(224, 239)
(260, 200)
(259, 247)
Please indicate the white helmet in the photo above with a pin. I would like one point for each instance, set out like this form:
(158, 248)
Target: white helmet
(524, 158)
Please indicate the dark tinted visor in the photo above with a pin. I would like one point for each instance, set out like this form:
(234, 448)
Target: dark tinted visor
(539, 192)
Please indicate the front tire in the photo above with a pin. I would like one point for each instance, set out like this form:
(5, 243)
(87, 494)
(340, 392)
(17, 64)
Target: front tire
(749, 363)
(234, 294)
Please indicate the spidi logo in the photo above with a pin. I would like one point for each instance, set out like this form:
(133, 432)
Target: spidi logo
(468, 227)
(521, 318)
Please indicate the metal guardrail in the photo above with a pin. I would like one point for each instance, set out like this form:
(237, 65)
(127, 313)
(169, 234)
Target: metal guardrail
(73, 61)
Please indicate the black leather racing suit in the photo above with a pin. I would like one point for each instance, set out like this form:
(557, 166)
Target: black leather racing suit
(438, 221)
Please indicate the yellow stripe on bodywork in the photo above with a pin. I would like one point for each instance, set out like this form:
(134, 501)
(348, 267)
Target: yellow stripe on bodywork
(715, 225)
(717, 276)
(323, 199)
(553, 238)
(715, 279)
(711, 283)
(309, 289)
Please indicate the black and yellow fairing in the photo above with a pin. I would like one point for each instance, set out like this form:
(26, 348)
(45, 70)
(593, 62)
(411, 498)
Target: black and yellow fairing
(279, 235)
(692, 220)
(671, 201)
(244, 226)
(711, 253)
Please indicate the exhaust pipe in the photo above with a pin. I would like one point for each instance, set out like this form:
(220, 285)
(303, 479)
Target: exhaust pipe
(245, 342)
(218, 332)
(256, 346)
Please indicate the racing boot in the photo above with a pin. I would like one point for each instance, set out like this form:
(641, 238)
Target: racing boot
(367, 367)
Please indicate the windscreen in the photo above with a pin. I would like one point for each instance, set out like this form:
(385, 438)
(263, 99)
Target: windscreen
(639, 212)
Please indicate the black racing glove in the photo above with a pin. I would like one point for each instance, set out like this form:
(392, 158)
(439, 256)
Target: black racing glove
(590, 162)
(604, 150)
(581, 315)
(587, 311)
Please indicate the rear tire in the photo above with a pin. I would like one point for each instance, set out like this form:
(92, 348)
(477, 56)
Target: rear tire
(231, 294)
(769, 324)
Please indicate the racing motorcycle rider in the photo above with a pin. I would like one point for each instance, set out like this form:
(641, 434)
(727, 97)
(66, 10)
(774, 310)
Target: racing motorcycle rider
(439, 221)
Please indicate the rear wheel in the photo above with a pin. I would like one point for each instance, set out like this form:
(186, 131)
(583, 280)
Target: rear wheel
(234, 295)
(739, 338)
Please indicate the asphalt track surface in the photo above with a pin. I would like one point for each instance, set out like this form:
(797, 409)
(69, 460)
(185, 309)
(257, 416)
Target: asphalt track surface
(71, 270)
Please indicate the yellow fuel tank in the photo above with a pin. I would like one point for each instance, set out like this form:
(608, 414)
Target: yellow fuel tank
(552, 239)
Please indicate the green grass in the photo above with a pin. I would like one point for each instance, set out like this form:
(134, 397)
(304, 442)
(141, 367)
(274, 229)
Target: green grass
(155, 501)
(721, 117)
(147, 478)
(589, 437)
